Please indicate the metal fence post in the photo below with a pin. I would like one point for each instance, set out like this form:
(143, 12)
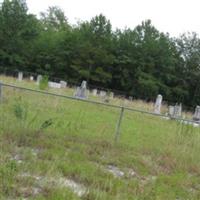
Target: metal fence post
(117, 133)
(1, 95)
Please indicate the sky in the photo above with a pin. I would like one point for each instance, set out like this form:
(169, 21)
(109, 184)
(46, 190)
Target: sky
(172, 16)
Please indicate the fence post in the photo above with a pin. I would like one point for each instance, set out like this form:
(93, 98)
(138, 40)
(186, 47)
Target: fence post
(117, 133)
(1, 95)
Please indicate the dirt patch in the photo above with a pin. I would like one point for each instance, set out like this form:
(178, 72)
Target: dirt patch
(59, 182)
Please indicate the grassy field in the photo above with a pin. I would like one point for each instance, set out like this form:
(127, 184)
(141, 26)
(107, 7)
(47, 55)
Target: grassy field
(54, 148)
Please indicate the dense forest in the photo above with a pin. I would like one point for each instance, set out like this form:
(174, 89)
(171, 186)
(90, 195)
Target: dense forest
(142, 61)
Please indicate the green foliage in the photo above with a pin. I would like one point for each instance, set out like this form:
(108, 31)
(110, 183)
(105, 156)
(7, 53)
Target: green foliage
(20, 110)
(46, 124)
(43, 84)
(92, 51)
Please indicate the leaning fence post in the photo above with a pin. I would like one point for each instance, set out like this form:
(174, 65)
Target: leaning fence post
(117, 133)
(1, 95)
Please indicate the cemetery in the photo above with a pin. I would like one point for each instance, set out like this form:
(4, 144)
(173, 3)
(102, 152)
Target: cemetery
(55, 147)
(97, 108)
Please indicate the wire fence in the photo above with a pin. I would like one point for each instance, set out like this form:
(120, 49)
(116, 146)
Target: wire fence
(84, 112)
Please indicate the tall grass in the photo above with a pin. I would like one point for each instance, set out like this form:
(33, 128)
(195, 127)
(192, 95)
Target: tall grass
(51, 137)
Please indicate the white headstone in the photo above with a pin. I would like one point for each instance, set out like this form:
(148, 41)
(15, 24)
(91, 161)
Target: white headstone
(81, 92)
(20, 76)
(54, 85)
(171, 111)
(104, 97)
(102, 93)
(39, 78)
(111, 95)
(94, 92)
(130, 98)
(158, 104)
(175, 111)
(84, 84)
(178, 110)
(196, 116)
(31, 78)
(63, 84)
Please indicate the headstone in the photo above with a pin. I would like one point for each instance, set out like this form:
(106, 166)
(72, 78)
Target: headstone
(94, 92)
(111, 95)
(130, 98)
(102, 93)
(63, 84)
(31, 78)
(196, 116)
(175, 111)
(171, 111)
(81, 92)
(20, 76)
(54, 85)
(39, 78)
(103, 96)
(158, 104)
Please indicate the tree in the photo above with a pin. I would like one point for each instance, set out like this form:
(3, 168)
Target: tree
(188, 46)
(17, 30)
(54, 19)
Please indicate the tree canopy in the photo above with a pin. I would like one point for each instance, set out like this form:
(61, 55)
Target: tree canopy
(141, 62)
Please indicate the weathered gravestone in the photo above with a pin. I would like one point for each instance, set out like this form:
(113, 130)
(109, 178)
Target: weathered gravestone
(31, 78)
(63, 84)
(39, 78)
(196, 116)
(81, 92)
(94, 92)
(54, 85)
(158, 104)
(130, 98)
(111, 95)
(171, 111)
(102, 93)
(20, 76)
(103, 96)
(175, 111)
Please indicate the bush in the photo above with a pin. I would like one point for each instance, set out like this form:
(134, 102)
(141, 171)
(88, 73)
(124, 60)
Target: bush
(43, 85)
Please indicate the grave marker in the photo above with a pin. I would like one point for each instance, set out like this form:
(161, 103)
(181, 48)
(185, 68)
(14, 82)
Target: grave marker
(196, 116)
(39, 78)
(63, 84)
(81, 92)
(111, 95)
(54, 85)
(171, 111)
(103, 96)
(175, 111)
(178, 110)
(20, 76)
(130, 98)
(94, 92)
(158, 104)
(31, 78)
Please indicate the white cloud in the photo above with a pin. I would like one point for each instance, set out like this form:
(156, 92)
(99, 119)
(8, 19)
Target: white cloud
(173, 16)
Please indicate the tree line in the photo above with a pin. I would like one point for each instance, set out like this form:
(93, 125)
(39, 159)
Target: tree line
(142, 61)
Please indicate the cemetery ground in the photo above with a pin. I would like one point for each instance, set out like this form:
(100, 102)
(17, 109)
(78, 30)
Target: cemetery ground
(55, 148)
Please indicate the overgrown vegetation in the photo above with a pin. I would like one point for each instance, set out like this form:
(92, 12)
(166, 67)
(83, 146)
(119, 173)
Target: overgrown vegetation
(43, 84)
(65, 149)
(140, 61)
